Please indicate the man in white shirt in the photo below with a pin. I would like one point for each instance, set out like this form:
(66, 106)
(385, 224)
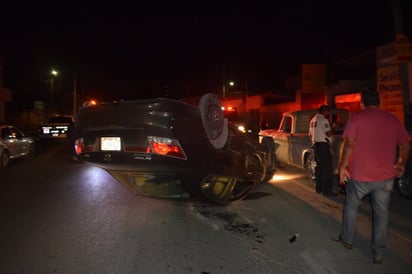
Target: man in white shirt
(320, 132)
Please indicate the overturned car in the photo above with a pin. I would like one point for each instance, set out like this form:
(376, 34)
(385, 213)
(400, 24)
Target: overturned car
(168, 148)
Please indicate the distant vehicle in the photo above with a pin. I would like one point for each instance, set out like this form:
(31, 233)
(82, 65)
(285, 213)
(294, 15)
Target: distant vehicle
(293, 144)
(243, 124)
(167, 148)
(57, 127)
(13, 145)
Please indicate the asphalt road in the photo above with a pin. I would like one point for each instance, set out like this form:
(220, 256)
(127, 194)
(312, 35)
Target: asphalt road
(59, 216)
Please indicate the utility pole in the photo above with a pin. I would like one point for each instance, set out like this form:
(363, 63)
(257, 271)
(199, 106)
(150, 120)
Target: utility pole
(224, 82)
(53, 73)
(75, 94)
(245, 93)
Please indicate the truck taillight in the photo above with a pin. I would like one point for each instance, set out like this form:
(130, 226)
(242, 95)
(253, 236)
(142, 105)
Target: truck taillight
(166, 146)
(79, 146)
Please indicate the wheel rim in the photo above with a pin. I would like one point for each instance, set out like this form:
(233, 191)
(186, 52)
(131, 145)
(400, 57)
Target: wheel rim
(214, 123)
(311, 168)
(224, 190)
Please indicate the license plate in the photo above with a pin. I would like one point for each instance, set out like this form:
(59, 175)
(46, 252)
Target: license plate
(110, 143)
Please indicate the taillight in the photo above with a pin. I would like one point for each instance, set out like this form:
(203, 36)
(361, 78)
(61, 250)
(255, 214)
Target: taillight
(166, 146)
(79, 146)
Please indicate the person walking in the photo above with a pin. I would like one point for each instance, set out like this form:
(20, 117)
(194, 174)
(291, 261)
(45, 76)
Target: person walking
(374, 152)
(321, 132)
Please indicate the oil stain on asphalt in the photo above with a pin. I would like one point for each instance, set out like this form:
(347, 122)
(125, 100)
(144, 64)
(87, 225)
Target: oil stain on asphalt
(230, 221)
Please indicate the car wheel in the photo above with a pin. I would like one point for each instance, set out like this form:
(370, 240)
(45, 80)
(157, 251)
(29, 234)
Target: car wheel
(404, 186)
(310, 165)
(271, 163)
(4, 159)
(223, 190)
(214, 123)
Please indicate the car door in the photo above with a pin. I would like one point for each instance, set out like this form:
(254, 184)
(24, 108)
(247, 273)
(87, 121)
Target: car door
(22, 144)
(281, 138)
(300, 142)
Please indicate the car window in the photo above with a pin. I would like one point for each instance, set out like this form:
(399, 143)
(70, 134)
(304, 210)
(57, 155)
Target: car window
(61, 119)
(287, 124)
(302, 124)
(16, 133)
(6, 133)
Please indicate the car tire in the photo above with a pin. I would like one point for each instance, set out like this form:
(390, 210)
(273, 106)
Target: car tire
(271, 164)
(214, 123)
(310, 166)
(4, 159)
(222, 190)
(404, 186)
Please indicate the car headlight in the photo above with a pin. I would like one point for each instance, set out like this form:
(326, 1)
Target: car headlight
(241, 128)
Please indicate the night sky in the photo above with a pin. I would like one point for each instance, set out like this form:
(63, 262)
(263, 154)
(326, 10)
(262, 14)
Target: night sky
(130, 52)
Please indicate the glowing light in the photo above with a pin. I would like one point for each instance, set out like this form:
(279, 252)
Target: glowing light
(89, 103)
(166, 146)
(241, 128)
(285, 178)
(54, 72)
(346, 98)
(93, 178)
(228, 108)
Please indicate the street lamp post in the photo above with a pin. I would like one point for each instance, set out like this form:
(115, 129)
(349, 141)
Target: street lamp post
(54, 73)
(226, 88)
(74, 95)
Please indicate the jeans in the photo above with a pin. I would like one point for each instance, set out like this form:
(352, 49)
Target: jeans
(380, 194)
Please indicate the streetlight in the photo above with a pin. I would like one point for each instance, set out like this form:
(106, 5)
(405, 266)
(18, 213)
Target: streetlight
(228, 85)
(226, 88)
(54, 73)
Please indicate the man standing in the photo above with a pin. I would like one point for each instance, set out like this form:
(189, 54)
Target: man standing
(375, 150)
(320, 132)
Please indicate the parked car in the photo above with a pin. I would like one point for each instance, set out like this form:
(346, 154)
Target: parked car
(167, 148)
(14, 144)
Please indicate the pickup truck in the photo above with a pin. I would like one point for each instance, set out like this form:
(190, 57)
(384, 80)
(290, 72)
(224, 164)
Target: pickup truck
(293, 144)
(57, 127)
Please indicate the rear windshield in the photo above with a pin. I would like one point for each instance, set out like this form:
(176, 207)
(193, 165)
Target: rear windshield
(231, 115)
